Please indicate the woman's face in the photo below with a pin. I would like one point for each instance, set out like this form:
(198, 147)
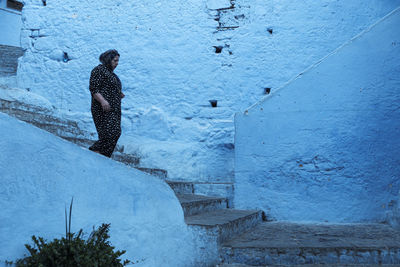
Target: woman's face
(114, 62)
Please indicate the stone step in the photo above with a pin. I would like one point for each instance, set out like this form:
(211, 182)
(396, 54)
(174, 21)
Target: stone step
(127, 159)
(180, 188)
(41, 118)
(10, 106)
(226, 223)
(9, 59)
(284, 243)
(195, 204)
(224, 190)
(163, 174)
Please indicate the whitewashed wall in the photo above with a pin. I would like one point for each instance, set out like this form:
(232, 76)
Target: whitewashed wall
(325, 146)
(170, 69)
(37, 182)
(10, 25)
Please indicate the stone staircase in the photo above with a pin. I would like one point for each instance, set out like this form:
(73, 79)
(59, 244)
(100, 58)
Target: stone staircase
(225, 190)
(212, 213)
(242, 237)
(210, 217)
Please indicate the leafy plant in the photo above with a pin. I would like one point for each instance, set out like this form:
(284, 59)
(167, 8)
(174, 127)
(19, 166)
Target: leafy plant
(73, 251)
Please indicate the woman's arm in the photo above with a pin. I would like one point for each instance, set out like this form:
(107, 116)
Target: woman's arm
(95, 84)
(104, 103)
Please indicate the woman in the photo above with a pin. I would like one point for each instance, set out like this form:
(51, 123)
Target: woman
(105, 87)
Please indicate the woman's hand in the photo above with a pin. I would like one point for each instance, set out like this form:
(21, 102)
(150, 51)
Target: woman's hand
(105, 105)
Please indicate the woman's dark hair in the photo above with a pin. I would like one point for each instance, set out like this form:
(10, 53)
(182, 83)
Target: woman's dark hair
(106, 57)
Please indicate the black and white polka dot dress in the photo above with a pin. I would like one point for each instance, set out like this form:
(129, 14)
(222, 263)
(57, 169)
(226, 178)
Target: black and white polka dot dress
(108, 123)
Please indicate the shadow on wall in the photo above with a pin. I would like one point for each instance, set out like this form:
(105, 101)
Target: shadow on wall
(324, 147)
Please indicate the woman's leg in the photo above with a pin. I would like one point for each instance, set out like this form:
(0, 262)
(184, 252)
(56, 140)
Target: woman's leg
(108, 127)
(113, 132)
(98, 120)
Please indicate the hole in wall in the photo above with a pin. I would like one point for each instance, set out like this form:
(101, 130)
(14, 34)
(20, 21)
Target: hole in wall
(241, 16)
(267, 90)
(228, 146)
(270, 30)
(213, 103)
(66, 57)
(218, 49)
(44, 2)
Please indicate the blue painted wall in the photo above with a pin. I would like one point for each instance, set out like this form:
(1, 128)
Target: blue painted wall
(40, 173)
(10, 25)
(170, 70)
(325, 146)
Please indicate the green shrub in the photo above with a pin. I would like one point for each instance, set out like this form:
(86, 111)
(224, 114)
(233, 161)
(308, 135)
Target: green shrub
(73, 251)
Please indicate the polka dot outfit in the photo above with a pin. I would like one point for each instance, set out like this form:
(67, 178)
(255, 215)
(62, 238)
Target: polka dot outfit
(108, 123)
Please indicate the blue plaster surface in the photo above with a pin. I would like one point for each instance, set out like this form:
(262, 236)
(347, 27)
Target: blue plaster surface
(10, 25)
(325, 146)
(40, 173)
(170, 70)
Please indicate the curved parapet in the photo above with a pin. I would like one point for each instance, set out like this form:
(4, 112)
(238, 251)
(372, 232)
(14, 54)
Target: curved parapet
(325, 146)
(40, 173)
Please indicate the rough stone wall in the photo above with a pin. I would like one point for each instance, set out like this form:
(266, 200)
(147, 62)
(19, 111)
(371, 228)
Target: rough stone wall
(175, 57)
(325, 146)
